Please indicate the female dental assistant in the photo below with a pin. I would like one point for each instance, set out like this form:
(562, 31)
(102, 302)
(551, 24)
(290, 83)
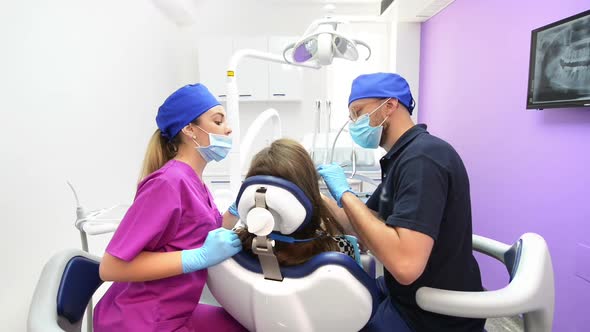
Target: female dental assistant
(159, 255)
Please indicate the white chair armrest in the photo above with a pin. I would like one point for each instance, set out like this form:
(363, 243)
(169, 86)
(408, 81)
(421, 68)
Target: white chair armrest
(490, 247)
(507, 301)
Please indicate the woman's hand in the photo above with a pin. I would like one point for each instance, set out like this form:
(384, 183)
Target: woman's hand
(220, 245)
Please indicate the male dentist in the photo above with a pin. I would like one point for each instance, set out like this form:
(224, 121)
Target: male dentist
(418, 220)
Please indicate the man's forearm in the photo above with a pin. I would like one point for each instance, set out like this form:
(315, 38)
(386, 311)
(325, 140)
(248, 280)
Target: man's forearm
(403, 252)
(340, 216)
(370, 229)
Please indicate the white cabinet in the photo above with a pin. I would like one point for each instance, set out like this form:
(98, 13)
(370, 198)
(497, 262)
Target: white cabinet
(213, 57)
(257, 80)
(251, 74)
(285, 81)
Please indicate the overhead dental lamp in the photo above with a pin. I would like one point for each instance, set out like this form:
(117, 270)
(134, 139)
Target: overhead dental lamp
(321, 44)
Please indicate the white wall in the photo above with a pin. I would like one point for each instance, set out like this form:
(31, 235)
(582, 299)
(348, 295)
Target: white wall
(408, 58)
(80, 85)
(404, 45)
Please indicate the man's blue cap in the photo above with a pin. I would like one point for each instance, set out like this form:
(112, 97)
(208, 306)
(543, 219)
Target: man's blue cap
(182, 107)
(382, 85)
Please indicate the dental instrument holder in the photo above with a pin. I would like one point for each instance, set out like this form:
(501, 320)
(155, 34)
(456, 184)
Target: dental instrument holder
(82, 224)
(262, 245)
(316, 129)
(329, 116)
(321, 119)
(80, 217)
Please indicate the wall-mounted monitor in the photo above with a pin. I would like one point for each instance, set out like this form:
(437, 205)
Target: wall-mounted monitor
(559, 68)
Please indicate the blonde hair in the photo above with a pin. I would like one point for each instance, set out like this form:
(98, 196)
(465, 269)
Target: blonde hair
(159, 151)
(287, 159)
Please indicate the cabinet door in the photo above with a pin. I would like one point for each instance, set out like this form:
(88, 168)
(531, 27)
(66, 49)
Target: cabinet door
(252, 74)
(214, 53)
(285, 81)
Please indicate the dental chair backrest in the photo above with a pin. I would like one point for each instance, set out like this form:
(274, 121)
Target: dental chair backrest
(328, 292)
(63, 291)
(530, 292)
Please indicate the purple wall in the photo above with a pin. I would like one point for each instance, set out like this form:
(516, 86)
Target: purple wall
(529, 170)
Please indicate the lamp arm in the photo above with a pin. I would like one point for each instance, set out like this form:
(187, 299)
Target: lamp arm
(362, 43)
(290, 46)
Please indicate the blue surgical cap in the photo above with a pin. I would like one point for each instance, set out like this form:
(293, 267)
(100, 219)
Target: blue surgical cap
(182, 107)
(382, 85)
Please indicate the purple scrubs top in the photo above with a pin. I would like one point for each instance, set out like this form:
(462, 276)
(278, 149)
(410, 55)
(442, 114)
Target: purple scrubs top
(173, 210)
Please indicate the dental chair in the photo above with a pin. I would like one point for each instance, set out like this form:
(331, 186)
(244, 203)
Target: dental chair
(63, 292)
(330, 292)
(530, 292)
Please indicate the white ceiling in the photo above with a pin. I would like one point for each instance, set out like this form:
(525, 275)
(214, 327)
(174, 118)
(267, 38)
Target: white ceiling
(348, 2)
(419, 10)
(336, 7)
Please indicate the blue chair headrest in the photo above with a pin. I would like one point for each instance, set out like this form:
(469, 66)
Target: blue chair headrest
(79, 281)
(284, 199)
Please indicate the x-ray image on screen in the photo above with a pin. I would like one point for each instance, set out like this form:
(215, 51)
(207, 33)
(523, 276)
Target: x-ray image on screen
(562, 62)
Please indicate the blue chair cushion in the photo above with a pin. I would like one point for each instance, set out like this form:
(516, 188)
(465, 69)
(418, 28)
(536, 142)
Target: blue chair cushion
(251, 263)
(79, 281)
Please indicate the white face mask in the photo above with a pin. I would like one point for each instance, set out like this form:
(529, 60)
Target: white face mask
(219, 146)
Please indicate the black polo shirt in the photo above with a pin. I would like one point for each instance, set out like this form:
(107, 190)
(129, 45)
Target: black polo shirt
(425, 188)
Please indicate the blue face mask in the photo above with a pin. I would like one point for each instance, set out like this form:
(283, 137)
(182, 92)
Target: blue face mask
(363, 134)
(219, 146)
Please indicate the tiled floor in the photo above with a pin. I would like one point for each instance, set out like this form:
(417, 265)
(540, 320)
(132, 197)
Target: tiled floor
(505, 324)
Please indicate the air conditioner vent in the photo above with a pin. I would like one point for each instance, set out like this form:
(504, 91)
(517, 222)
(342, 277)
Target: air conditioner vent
(418, 10)
(433, 7)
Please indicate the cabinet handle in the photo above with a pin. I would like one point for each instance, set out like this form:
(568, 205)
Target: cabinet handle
(279, 94)
(219, 181)
(222, 96)
(245, 95)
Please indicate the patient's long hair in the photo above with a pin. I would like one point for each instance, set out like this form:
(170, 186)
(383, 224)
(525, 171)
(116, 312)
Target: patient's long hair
(287, 159)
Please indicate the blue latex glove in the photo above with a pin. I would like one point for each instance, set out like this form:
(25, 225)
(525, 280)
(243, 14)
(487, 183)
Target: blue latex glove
(219, 245)
(233, 209)
(335, 179)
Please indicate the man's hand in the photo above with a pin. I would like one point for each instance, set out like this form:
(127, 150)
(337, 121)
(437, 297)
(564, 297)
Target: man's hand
(335, 180)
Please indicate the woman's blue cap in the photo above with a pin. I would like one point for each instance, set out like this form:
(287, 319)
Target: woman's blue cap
(382, 85)
(182, 107)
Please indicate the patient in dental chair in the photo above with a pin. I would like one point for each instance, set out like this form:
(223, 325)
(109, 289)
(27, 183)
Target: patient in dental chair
(287, 159)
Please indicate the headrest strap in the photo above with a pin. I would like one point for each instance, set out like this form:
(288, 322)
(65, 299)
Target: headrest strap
(259, 197)
(262, 246)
